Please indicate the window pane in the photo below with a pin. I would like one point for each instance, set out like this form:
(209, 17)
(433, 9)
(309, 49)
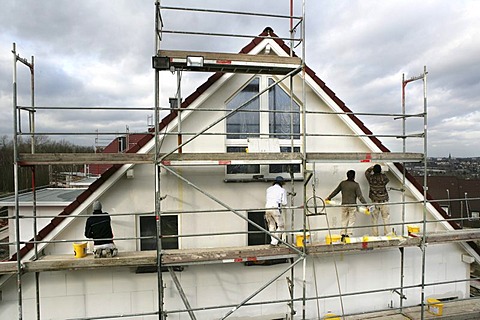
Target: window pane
(122, 144)
(243, 122)
(259, 237)
(241, 168)
(285, 168)
(148, 226)
(279, 123)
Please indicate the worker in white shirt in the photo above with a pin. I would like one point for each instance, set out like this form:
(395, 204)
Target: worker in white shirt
(276, 198)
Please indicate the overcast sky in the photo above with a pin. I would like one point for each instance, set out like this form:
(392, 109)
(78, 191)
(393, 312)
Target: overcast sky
(98, 53)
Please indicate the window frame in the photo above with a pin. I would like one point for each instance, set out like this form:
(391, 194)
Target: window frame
(264, 128)
(122, 144)
(253, 239)
(166, 241)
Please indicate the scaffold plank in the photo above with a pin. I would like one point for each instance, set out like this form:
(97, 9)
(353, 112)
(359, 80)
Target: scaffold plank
(8, 267)
(177, 159)
(449, 236)
(452, 310)
(228, 62)
(180, 257)
(28, 159)
(365, 157)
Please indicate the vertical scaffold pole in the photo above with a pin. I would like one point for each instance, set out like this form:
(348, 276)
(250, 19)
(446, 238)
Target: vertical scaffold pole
(31, 114)
(422, 77)
(304, 163)
(292, 180)
(425, 187)
(179, 109)
(15, 175)
(161, 311)
(31, 117)
(404, 149)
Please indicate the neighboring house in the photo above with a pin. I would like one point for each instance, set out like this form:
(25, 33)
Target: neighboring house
(118, 145)
(460, 198)
(49, 202)
(129, 189)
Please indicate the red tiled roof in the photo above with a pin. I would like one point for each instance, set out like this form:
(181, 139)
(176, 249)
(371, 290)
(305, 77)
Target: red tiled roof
(267, 32)
(112, 147)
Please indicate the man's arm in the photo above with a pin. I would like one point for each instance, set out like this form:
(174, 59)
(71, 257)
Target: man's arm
(88, 229)
(359, 194)
(335, 192)
(368, 173)
(386, 178)
(284, 197)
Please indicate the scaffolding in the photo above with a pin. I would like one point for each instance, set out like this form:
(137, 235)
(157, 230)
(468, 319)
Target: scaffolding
(285, 68)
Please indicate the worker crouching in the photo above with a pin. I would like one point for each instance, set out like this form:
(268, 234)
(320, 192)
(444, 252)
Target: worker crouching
(98, 227)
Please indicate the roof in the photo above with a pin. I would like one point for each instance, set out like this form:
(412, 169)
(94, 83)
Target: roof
(45, 197)
(456, 190)
(142, 140)
(85, 182)
(113, 147)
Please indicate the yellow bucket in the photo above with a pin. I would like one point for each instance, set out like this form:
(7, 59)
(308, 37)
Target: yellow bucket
(80, 249)
(331, 316)
(299, 239)
(335, 238)
(434, 306)
(413, 228)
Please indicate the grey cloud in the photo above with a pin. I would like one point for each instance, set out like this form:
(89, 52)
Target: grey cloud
(98, 53)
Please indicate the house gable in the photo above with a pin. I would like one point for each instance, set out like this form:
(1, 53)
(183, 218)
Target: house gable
(146, 140)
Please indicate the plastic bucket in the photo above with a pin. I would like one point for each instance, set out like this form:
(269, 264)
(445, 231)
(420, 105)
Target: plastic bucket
(299, 239)
(80, 249)
(331, 316)
(334, 238)
(435, 306)
(413, 228)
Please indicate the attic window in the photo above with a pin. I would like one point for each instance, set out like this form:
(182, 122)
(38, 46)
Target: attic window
(282, 121)
(247, 120)
(271, 116)
(122, 144)
(284, 114)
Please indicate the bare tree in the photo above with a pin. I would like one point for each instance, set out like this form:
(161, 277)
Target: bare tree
(42, 173)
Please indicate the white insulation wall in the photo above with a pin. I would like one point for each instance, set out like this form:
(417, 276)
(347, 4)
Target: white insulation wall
(88, 293)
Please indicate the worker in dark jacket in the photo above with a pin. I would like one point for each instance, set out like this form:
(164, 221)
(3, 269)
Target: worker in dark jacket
(379, 195)
(350, 192)
(98, 228)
